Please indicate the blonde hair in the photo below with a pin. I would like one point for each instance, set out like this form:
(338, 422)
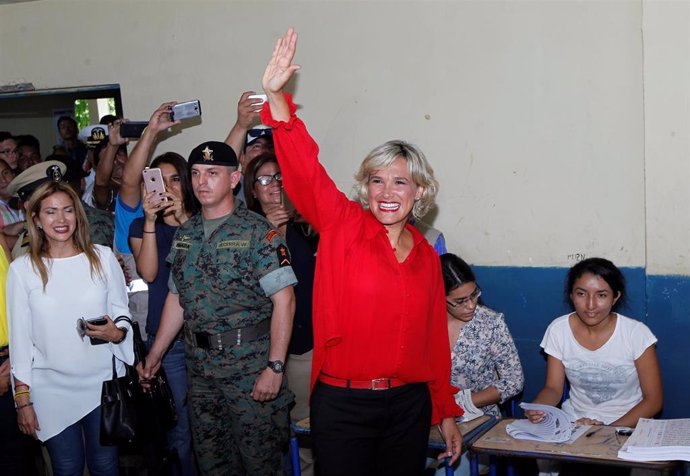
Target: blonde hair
(38, 244)
(421, 172)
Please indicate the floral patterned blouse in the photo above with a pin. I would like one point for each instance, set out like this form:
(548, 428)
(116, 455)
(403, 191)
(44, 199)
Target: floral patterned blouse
(485, 355)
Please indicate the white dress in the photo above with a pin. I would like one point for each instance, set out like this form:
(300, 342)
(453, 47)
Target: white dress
(604, 384)
(64, 373)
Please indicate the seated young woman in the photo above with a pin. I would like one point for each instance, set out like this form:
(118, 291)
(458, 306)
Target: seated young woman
(485, 365)
(609, 360)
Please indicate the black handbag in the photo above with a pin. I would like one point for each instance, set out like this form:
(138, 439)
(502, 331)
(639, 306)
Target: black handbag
(119, 405)
(119, 408)
(158, 399)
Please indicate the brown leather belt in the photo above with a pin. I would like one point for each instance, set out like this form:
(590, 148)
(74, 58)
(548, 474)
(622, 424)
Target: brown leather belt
(230, 338)
(373, 384)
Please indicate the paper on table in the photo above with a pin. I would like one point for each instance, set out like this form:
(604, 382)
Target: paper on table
(464, 399)
(658, 440)
(554, 428)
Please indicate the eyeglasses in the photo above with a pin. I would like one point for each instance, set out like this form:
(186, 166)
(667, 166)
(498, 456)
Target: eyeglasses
(472, 298)
(267, 179)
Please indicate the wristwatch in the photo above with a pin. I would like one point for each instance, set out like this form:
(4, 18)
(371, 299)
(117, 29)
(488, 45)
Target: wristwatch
(278, 366)
(124, 335)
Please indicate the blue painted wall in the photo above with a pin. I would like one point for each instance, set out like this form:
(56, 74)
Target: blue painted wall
(531, 298)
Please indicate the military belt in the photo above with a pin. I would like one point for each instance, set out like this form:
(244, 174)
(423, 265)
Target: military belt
(204, 340)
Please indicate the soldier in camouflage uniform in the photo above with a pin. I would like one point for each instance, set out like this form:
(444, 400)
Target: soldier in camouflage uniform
(231, 285)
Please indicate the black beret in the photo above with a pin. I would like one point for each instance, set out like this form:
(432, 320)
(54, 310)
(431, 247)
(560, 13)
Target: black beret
(213, 153)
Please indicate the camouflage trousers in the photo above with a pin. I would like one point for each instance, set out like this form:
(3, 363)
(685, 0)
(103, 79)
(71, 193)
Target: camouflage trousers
(232, 433)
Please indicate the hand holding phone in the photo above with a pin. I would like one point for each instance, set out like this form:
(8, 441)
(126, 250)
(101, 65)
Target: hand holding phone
(82, 328)
(258, 101)
(153, 182)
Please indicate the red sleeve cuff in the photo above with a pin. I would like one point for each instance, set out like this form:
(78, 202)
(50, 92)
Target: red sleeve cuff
(445, 407)
(267, 119)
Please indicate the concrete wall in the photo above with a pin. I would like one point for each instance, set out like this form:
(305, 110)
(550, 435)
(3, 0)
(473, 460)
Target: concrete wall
(558, 129)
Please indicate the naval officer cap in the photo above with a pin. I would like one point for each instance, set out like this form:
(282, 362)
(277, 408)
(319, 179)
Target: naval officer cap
(24, 184)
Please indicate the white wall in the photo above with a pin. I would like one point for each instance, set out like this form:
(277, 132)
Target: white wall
(532, 113)
(667, 135)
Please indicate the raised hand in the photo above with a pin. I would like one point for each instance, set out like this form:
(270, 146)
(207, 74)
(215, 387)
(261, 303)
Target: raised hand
(280, 69)
(160, 119)
(114, 137)
(247, 110)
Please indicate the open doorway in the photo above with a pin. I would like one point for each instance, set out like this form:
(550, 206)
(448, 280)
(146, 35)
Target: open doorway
(37, 112)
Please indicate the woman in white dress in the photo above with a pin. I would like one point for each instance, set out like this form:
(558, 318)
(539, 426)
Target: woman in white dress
(57, 373)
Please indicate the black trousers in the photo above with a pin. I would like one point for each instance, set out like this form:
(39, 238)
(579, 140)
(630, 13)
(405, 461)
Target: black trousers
(370, 432)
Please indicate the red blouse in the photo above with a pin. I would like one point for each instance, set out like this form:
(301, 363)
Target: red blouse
(373, 317)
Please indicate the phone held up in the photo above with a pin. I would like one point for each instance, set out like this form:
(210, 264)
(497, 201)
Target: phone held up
(185, 110)
(153, 182)
(133, 129)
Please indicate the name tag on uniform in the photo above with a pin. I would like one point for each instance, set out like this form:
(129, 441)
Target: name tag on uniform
(233, 244)
(181, 245)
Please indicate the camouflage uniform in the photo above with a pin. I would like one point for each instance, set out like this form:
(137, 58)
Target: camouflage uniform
(101, 226)
(223, 283)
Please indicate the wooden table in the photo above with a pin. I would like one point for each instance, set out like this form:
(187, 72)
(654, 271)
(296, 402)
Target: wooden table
(599, 448)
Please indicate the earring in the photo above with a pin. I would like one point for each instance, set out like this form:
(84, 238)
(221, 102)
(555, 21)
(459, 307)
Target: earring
(39, 227)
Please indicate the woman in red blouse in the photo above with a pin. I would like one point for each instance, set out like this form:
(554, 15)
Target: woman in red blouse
(381, 367)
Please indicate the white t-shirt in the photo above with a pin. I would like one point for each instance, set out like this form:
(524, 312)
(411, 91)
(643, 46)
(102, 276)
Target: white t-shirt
(604, 384)
(65, 373)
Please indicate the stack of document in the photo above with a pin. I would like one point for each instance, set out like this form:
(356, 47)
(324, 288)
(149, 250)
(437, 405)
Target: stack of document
(658, 440)
(554, 428)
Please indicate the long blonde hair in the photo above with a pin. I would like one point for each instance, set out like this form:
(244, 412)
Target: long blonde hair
(38, 244)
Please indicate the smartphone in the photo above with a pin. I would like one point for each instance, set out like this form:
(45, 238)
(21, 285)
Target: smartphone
(81, 328)
(258, 97)
(153, 182)
(185, 110)
(133, 129)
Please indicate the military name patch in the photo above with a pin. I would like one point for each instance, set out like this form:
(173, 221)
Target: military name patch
(283, 256)
(181, 245)
(233, 244)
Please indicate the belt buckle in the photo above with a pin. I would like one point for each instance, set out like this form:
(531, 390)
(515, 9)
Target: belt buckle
(376, 384)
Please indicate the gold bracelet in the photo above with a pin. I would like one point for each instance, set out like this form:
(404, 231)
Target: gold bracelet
(23, 392)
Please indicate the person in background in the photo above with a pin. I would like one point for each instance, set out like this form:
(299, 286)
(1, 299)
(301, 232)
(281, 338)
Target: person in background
(14, 445)
(110, 159)
(57, 374)
(151, 238)
(265, 196)
(484, 361)
(8, 149)
(11, 214)
(609, 360)
(248, 142)
(381, 366)
(68, 130)
(21, 187)
(29, 150)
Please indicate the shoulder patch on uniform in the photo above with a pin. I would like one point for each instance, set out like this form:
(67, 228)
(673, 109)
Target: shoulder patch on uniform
(233, 244)
(283, 256)
(270, 235)
(181, 245)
